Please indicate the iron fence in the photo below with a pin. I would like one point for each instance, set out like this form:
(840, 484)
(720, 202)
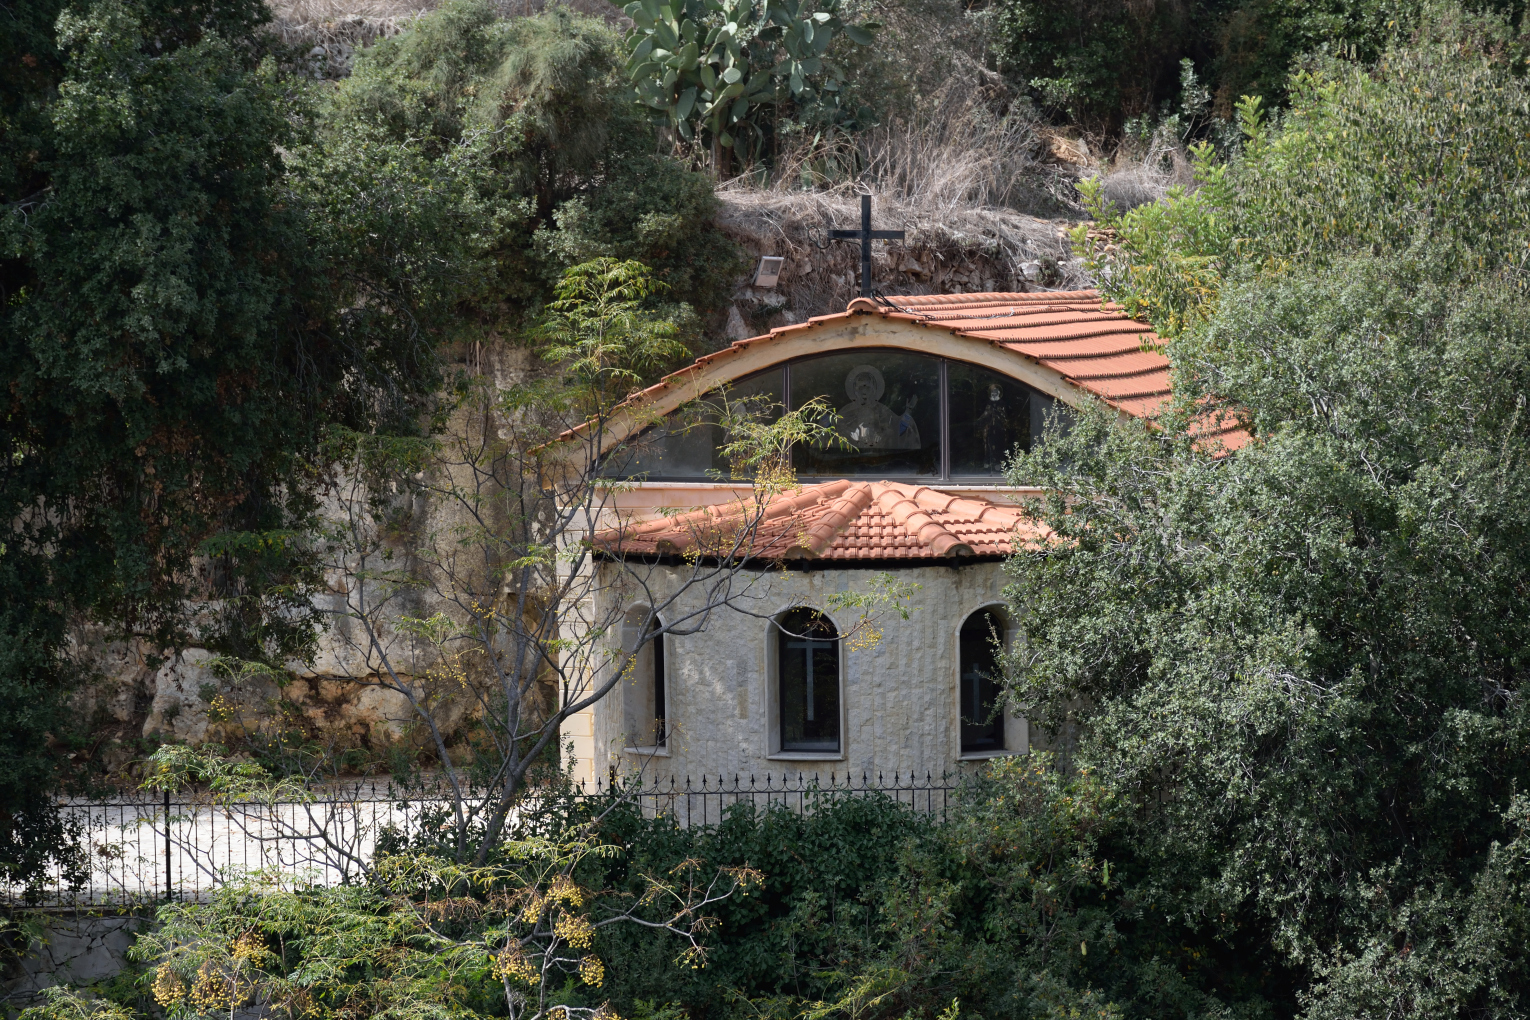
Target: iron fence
(705, 802)
(138, 847)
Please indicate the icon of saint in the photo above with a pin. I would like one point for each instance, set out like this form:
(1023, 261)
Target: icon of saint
(993, 426)
(867, 423)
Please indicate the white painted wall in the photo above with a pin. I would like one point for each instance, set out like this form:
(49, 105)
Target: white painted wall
(899, 696)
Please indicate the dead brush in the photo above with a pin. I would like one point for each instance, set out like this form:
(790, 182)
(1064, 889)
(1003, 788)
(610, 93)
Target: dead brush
(956, 178)
(331, 31)
(1145, 176)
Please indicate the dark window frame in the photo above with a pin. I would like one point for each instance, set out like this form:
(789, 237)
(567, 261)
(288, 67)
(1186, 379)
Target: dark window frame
(981, 728)
(799, 642)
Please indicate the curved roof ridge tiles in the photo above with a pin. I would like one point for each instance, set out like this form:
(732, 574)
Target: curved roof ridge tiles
(916, 520)
(949, 300)
(822, 533)
(837, 520)
(991, 312)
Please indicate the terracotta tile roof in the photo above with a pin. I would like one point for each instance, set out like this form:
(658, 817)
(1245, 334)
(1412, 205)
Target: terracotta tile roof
(1090, 343)
(841, 520)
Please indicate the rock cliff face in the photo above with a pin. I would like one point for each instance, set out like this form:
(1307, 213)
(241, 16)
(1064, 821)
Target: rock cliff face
(140, 696)
(952, 251)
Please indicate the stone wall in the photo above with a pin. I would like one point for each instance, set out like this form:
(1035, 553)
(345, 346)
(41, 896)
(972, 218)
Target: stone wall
(899, 695)
(81, 950)
(964, 250)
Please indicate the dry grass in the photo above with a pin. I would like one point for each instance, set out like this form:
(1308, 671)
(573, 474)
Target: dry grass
(1145, 176)
(963, 184)
(333, 30)
(321, 11)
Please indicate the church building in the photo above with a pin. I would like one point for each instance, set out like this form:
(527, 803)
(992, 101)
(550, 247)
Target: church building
(933, 392)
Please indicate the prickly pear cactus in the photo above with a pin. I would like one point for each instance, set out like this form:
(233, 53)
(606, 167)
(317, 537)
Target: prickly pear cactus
(706, 67)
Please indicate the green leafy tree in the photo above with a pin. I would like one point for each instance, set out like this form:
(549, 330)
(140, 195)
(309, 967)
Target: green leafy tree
(1444, 118)
(1095, 61)
(571, 171)
(1302, 665)
(1105, 64)
(183, 312)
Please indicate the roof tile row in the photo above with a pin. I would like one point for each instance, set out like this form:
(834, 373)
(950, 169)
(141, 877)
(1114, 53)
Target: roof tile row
(839, 520)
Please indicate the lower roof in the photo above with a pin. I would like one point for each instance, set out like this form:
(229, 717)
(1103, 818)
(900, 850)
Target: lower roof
(842, 521)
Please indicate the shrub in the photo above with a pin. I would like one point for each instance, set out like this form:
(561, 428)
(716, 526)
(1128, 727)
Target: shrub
(570, 168)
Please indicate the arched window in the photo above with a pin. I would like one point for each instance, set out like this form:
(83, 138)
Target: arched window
(897, 415)
(807, 667)
(982, 720)
(644, 687)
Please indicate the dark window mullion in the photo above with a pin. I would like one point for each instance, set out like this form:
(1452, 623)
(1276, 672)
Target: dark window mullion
(945, 426)
(788, 407)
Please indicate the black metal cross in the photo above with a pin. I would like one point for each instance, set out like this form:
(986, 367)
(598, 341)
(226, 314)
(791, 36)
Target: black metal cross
(866, 235)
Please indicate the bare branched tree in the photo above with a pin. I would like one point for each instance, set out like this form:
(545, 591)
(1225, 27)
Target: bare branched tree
(463, 570)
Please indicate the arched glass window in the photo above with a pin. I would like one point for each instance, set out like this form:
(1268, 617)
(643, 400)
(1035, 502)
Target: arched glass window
(688, 443)
(807, 666)
(644, 687)
(982, 721)
(887, 406)
(898, 415)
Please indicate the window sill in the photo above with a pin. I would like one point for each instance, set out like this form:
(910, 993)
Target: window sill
(1002, 752)
(647, 752)
(806, 756)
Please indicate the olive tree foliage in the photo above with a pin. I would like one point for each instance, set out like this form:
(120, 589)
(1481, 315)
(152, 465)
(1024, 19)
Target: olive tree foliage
(183, 312)
(1427, 146)
(709, 69)
(1302, 665)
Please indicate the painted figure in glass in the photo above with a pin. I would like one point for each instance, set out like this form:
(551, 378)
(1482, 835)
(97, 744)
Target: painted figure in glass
(869, 424)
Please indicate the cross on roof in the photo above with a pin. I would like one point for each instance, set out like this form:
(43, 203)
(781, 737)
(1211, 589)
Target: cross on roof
(866, 235)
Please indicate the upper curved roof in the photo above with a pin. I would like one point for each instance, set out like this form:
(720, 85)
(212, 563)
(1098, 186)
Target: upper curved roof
(1090, 343)
(1069, 344)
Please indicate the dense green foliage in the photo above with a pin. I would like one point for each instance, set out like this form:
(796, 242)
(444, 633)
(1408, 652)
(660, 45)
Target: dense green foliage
(1023, 903)
(1104, 62)
(1425, 150)
(172, 327)
(1301, 665)
(1293, 779)
(571, 170)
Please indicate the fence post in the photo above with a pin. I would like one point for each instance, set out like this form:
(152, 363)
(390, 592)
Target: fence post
(169, 882)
